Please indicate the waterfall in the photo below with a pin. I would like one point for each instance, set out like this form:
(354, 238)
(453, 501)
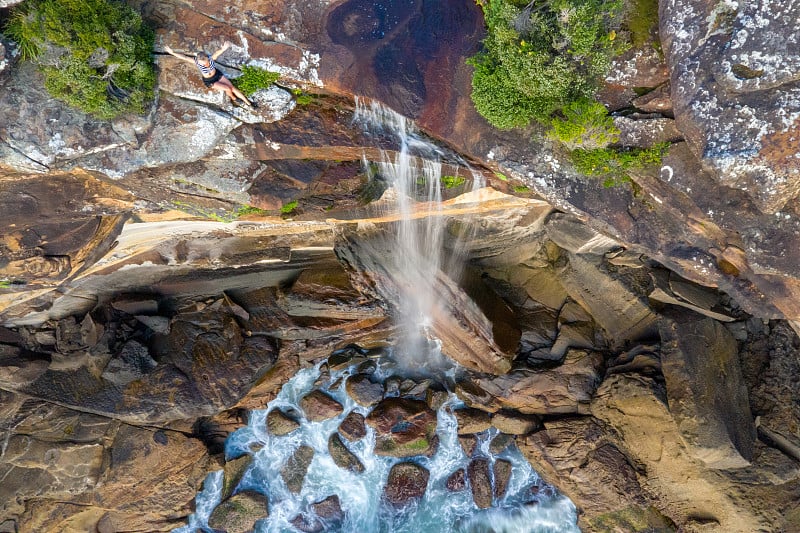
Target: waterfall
(420, 263)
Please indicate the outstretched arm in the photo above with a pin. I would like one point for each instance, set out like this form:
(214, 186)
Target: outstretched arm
(219, 52)
(184, 57)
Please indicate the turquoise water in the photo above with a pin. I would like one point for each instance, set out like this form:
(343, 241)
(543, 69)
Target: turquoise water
(439, 510)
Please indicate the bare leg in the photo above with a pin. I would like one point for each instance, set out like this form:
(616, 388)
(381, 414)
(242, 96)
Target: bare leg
(224, 84)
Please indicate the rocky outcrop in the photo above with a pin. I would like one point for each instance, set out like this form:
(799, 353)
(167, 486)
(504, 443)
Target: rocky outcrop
(294, 471)
(715, 421)
(565, 389)
(734, 73)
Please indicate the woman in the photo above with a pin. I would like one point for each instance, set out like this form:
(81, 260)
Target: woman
(212, 76)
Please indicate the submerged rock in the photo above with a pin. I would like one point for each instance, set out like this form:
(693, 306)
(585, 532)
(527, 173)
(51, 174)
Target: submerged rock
(239, 513)
(403, 427)
(329, 509)
(294, 471)
(343, 457)
(407, 482)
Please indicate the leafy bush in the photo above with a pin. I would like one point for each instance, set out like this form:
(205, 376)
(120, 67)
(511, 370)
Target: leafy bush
(585, 124)
(289, 207)
(255, 78)
(451, 182)
(615, 165)
(96, 55)
(540, 57)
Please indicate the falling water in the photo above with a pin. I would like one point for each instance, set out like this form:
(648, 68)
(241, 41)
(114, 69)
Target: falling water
(422, 250)
(417, 260)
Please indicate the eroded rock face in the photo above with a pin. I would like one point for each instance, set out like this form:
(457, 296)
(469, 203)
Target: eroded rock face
(239, 513)
(565, 389)
(706, 392)
(733, 72)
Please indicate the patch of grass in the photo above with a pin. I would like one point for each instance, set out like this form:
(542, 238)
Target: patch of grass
(289, 207)
(96, 55)
(5, 284)
(451, 182)
(501, 176)
(615, 164)
(304, 99)
(521, 188)
(254, 79)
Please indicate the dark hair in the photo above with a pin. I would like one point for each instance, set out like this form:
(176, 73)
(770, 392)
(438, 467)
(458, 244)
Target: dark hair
(201, 54)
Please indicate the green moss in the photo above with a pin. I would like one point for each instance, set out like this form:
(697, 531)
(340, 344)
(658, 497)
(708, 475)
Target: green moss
(96, 55)
(4, 283)
(501, 176)
(289, 207)
(521, 188)
(642, 21)
(304, 99)
(451, 182)
(254, 79)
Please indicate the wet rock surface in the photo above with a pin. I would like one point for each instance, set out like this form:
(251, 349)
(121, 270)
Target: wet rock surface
(239, 513)
(403, 427)
(407, 482)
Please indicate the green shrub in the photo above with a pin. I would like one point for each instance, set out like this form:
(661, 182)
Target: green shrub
(615, 164)
(255, 78)
(538, 58)
(451, 182)
(250, 210)
(289, 207)
(584, 124)
(96, 55)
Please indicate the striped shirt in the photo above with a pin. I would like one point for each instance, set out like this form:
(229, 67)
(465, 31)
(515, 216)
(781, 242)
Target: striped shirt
(207, 71)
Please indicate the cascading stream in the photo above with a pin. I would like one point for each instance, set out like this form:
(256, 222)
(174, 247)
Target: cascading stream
(473, 483)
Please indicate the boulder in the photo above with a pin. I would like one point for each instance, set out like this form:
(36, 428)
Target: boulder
(353, 427)
(343, 457)
(294, 471)
(472, 420)
(624, 315)
(468, 443)
(457, 481)
(480, 482)
(562, 390)
(407, 482)
(307, 523)
(279, 423)
(403, 427)
(706, 393)
(239, 513)
(233, 472)
(329, 509)
(502, 475)
(363, 390)
(319, 406)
